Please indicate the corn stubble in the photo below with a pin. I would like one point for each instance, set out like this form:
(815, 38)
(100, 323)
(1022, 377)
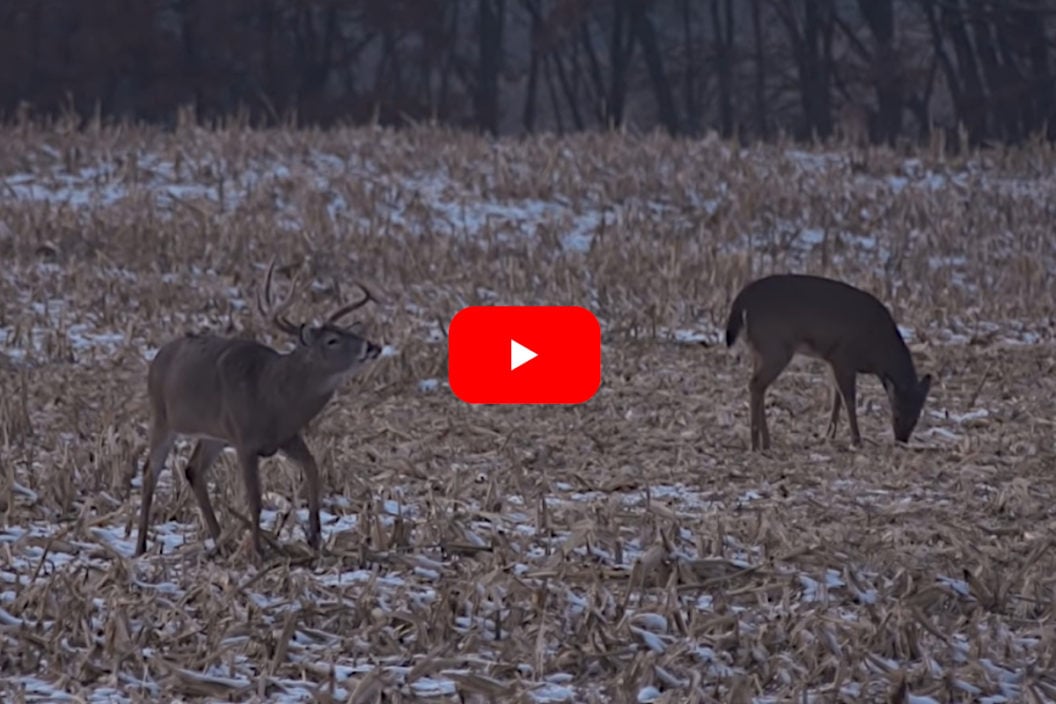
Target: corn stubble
(598, 550)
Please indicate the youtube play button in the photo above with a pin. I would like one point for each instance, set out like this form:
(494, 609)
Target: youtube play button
(524, 354)
(519, 354)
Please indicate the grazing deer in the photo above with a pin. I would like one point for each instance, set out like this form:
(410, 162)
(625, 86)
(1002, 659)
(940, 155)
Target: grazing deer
(830, 320)
(238, 392)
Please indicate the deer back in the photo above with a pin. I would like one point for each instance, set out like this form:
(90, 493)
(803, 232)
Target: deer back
(246, 393)
(193, 384)
(825, 318)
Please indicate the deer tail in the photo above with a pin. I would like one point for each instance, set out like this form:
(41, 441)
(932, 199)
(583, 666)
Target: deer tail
(734, 323)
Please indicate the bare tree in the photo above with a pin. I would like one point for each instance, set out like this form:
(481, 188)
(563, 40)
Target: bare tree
(809, 25)
(723, 26)
(885, 71)
(746, 68)
(645, 33)
(762, 109)
(491, 17)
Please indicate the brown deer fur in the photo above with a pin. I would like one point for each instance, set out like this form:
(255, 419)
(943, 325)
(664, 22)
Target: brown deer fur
(830, 320)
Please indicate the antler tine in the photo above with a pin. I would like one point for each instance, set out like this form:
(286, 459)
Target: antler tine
(264, 296)
(276, 312)
(345, 310)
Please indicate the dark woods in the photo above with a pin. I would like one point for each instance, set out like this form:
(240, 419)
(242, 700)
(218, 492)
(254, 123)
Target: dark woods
(885, 70)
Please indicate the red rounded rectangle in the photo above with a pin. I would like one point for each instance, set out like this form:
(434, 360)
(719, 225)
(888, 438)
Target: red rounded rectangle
(524, 354)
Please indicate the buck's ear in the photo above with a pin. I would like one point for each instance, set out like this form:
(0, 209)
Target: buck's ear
(306, 335)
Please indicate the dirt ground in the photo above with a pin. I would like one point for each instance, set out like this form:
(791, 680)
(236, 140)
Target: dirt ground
(630, 549)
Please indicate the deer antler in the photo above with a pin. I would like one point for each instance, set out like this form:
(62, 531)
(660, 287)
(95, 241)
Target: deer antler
(275, 313)
(345, 310)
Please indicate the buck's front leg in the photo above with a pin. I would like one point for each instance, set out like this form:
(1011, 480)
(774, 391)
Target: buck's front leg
(296, 449)
(161, 441)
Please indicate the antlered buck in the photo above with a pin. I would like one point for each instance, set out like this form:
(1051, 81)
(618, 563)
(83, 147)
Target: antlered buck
(830, 320)
(243, 394)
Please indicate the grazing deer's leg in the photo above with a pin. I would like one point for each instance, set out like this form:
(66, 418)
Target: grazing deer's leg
(296, 449)
(845, 381)
(768, 363)
(161, 441)
(251, 478)
(834, 419)
(196, 472)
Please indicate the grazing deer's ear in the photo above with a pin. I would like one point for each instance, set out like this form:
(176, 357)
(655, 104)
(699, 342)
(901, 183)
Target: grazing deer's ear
(889, 386)
(925, 385)
(305, 335)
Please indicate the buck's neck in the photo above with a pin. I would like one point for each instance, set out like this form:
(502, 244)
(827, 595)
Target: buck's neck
(300, 386)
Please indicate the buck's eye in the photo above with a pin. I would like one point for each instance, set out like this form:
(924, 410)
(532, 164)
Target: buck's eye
(331, 342)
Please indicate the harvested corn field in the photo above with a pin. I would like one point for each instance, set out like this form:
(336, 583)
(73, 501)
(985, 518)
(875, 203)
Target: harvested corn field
(630, 549)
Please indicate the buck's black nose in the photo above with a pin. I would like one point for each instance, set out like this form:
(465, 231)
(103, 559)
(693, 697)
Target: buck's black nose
(372, 350)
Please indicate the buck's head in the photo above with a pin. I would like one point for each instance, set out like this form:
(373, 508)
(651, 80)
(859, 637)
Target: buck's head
(906, 405)
(339, 350)
(335, 351)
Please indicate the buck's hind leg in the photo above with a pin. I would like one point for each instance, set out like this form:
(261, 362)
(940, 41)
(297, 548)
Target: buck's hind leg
(197, 473)
(161, 441)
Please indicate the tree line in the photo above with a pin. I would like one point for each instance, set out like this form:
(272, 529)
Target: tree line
(886, 70)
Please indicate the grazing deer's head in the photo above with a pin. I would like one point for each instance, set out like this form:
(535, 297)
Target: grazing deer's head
(906, 404)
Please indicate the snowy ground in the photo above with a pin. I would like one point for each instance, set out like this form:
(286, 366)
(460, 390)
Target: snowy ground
(529, 554)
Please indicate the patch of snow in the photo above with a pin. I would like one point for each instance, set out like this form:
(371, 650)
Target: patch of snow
(648, 694)
(428, 385)
(549, 693)
(977, 414)
(433, 687)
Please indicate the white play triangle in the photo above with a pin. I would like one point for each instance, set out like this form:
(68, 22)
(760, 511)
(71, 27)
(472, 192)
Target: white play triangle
(519, 354)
